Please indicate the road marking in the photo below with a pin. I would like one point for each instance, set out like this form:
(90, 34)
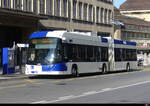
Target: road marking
(13, 86)
(39, 102)
(65, 97)
(94, 92)
(107, 89)
(90, 93)
(126, 86)
(34, 82)
(96, 76)
(21, 85)
(60, 99)
(31, 81)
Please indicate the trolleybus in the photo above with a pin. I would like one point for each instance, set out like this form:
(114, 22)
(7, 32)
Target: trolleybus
(73, 53)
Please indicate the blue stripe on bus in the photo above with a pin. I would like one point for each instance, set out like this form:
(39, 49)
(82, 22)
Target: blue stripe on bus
(104, 40)
(118, 41)
(38, 34)
(131, 43)
(55, 67)
(124, 42)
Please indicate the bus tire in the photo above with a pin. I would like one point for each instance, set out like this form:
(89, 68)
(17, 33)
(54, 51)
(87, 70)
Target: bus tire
(128, 67)
(74, 71)
(104, 69)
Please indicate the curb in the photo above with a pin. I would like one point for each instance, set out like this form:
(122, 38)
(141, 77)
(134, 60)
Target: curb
(11, 77)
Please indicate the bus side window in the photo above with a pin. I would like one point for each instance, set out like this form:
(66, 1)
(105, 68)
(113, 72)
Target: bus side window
(90, 53)
(98, 54)
(64, 52)
(128, 54)
(124, 55)
(118, 54)
(104, 54)
(69, 51)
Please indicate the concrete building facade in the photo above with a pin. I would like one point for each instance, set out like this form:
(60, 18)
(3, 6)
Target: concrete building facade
(136, 8)
(139, 9)
(19, 18)
(71, 15)
(78, 15)
(134, 29)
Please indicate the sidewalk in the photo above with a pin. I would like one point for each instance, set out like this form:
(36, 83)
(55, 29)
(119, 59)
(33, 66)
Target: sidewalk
(14, 76)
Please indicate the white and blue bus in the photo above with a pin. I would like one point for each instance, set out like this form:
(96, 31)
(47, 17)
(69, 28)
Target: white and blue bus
(125, 55)
(73, 53)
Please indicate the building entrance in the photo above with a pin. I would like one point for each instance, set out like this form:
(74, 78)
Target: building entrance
(8, 36)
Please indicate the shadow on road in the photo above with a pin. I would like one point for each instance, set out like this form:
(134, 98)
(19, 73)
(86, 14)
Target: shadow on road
(70, 76)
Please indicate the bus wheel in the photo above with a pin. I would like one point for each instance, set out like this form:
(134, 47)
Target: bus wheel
(128, 67)
(104, 69)
(74, 72)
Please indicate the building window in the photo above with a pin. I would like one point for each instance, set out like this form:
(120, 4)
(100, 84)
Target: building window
(74, 9)
(105, 16)
(148, 35)
(49, 7)
(103, 34)
(90, 13)
(69, 8)
(140, 44)
(80, 10)
(107, 1)
(57, 7)
(102, 15)
(97, 14)
(148, 44)
(6, 3)
(17, 4)
(27, 5)
(85, 12)
(137, 35)
(64, 8)
(109, 17)
(42, 6)
(35, 9)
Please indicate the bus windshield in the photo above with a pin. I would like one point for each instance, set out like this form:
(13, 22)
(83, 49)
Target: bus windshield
(44, 51)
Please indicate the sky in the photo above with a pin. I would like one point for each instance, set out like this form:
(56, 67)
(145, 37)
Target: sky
(117, 3)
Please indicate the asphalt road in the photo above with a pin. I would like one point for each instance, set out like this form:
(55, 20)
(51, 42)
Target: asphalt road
(122, 87)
